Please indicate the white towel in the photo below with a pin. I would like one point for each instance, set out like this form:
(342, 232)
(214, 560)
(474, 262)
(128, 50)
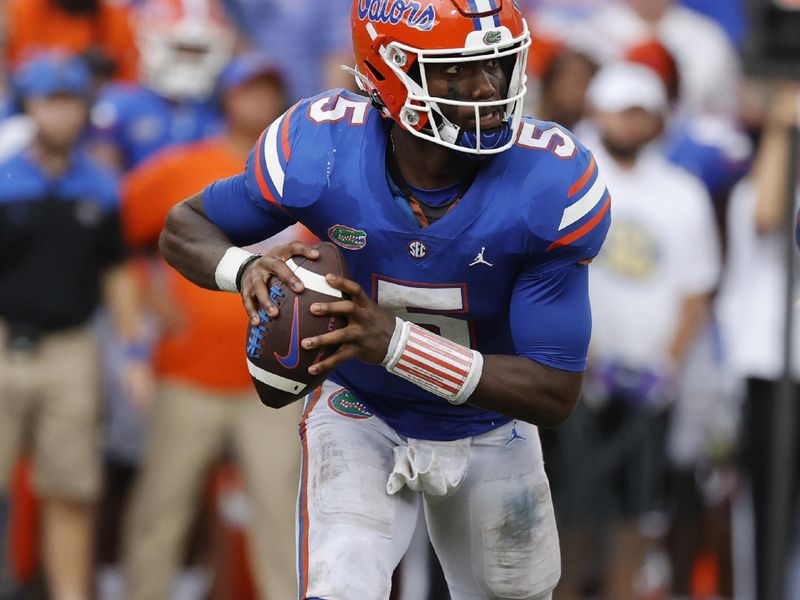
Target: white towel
(436, 468)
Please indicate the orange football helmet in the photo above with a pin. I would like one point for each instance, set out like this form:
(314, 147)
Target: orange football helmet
(184, 45)
(395, 39)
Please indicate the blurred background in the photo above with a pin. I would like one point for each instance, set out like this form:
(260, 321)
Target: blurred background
(135, 460)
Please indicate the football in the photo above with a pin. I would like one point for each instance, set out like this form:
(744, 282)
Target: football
(277, 362)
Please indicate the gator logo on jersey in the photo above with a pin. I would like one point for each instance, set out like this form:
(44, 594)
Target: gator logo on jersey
(344, 403)
(347, 237)
(410, 12)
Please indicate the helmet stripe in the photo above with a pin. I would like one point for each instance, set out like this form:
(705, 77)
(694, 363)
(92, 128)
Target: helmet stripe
(476, 23)
(481, 7)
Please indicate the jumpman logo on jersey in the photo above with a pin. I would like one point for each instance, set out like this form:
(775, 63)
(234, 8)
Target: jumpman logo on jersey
(514, 435)
(479, 260)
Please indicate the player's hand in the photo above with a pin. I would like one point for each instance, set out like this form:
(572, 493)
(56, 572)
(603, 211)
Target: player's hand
(254, 288)
(368, 332)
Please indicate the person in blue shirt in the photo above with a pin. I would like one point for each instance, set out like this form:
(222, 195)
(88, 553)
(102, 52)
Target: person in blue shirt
(467, 230)
(61, 255)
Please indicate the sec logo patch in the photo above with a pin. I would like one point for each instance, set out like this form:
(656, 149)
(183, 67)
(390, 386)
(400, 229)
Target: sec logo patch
(347, 405)
(417, 249)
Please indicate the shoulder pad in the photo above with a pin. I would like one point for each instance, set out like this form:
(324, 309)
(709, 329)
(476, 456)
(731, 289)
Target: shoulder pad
(569, 214)
(288, 165)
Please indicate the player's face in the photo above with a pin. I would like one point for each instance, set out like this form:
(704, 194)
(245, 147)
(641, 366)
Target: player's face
(625, 133)
(472, 81)
(59, 119)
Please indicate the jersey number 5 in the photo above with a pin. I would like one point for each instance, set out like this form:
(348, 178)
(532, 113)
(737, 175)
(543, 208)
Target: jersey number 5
(401, 298)
(553, 139)
(332, 109)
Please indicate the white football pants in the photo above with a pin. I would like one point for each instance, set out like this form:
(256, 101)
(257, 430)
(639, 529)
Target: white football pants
(486, 500)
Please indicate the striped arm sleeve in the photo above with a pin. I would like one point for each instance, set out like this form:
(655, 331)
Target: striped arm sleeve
(266, 168)
(588, 203)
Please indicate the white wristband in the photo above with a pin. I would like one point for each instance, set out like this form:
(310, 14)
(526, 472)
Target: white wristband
(434, 363)
(228, 268)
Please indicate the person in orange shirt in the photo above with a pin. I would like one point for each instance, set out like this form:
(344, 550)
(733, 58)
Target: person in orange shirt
(93, 27)
(206, 402)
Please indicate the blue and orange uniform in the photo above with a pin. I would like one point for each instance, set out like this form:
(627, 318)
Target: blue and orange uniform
(503, 272)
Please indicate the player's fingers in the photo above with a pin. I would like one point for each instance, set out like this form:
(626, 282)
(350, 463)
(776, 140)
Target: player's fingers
(261, 292)
(251, 307)
(348, 286)
(278, 268)
(332, 338)
(343, 354)
(302, 249)
(341, 307)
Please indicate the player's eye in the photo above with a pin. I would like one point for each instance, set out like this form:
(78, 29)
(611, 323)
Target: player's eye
(454, 69)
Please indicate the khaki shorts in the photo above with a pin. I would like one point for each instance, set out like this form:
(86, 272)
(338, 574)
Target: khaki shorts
(189, 430)
(49, 398)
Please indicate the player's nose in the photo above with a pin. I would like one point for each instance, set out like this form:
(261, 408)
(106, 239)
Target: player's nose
(483, 83)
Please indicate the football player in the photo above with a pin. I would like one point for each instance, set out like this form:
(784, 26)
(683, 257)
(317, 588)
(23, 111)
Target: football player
(467, 229)
(184, 45)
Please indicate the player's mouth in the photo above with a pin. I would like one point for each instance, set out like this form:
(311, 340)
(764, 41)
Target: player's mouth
(489, 119)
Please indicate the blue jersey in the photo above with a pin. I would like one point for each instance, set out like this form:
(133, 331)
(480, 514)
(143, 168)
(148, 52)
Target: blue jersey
(140, 122)
(57, 237)
(713, 149)
(499, 273)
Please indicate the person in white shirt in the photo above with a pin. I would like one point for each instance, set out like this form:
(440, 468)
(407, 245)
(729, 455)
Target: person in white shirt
(650, 291)
(751, 308)
(707, 60)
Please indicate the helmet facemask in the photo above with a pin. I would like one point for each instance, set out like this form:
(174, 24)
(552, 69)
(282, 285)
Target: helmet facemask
(422, 114)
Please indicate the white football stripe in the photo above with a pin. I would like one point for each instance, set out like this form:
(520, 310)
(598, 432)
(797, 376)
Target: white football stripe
(274, 168)
(313, 281)
(487, 23)
(485, 6)
(575, 212)
(290, 386)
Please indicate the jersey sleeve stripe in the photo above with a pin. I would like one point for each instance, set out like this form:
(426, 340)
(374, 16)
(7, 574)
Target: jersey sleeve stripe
(587, 175)
(576, 211)
(261, 179)
(271, 158)
(584, 229)
(287, 149)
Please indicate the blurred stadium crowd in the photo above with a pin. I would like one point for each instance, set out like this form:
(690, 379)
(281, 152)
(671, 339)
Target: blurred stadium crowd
(135, 460)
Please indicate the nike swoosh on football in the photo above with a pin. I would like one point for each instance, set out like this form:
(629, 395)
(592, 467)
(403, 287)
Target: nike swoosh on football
(292, 357)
